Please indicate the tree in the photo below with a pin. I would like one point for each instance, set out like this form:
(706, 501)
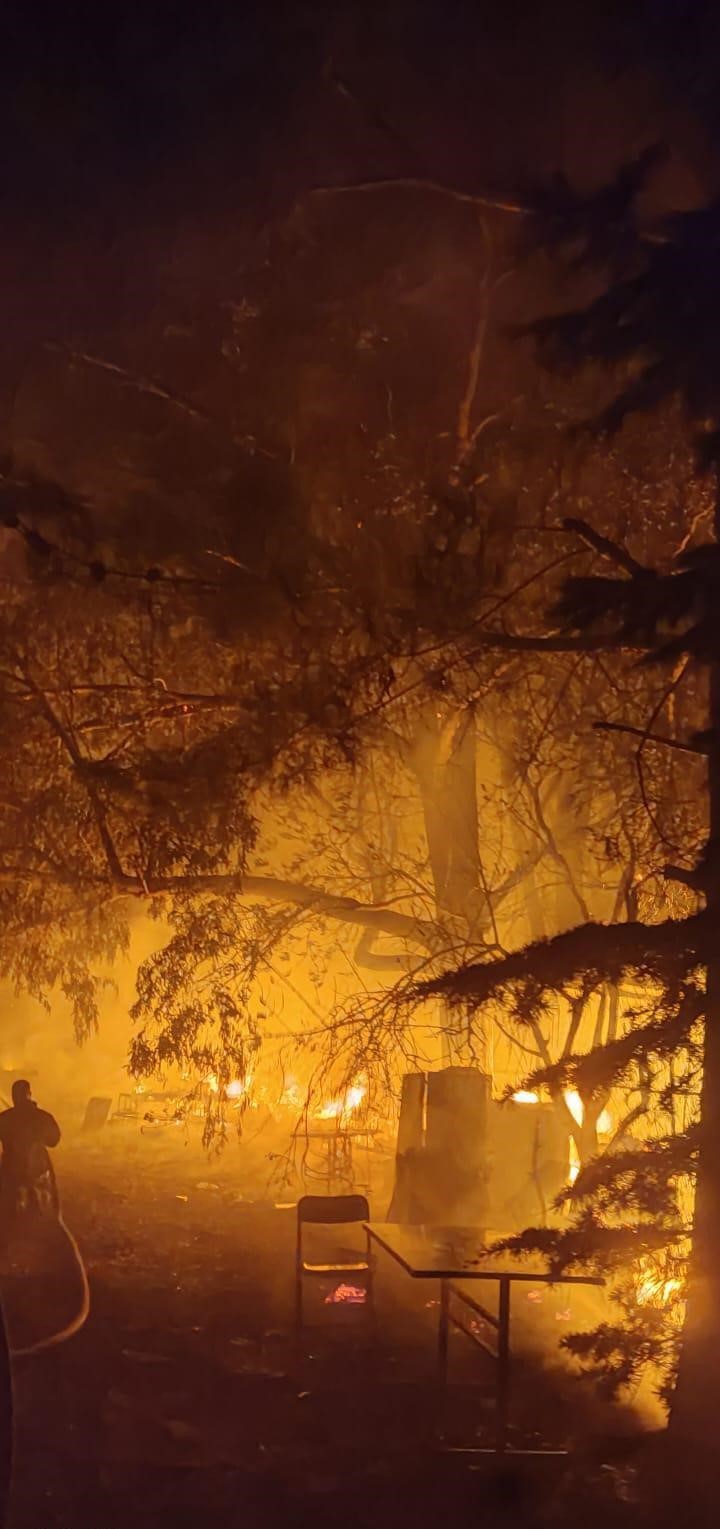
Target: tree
(655, 328)
(233, 670)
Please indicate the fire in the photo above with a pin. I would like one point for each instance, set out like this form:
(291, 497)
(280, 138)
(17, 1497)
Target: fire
(350, 1295)
(575, 1105)
(344, 1105)
(604, 1123)
(292, 1095)
(233, 1090)
(525, 1096)
(654, 1288)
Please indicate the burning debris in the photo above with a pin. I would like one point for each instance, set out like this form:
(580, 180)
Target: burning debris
(346, 1295)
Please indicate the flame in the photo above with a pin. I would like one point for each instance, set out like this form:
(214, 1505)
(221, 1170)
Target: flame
(344, 1105)
(604, 1123)
(655, 1288)
(292, 1095)
(574, 1164)
(575, 1105)
(525, 1096)
(236, 1088)
(351, 1295)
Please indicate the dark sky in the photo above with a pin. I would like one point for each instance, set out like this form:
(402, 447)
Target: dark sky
(129, 126)
(96, 101)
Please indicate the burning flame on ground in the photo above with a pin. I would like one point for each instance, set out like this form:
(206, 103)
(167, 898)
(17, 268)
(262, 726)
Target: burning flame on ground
(525, 1096)
(344, 1105)
(350, 1295)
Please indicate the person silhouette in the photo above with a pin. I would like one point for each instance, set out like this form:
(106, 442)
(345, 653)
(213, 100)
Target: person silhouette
(27, 1179)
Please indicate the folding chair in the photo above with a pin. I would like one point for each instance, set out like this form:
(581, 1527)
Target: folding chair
(331, 1210)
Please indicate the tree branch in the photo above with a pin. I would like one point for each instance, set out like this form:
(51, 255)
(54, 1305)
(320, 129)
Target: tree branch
(641, 732)
(315, 899)
(607, 548)
(436, 188)
(96, 804)
(593, 952)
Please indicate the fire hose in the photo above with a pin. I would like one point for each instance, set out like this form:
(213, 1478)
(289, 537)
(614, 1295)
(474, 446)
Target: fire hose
(81, 1316)
(7, 1354)
(6, 1419)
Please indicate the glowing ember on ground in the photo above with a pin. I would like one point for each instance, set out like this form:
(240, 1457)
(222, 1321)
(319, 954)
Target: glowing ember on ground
(346, 1295)
(525, 1096)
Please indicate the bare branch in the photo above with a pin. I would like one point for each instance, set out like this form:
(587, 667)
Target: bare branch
(607, 548)
(641, 732)
(435, 188)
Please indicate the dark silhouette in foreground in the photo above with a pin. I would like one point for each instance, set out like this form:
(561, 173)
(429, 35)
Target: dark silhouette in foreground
(27, 1179)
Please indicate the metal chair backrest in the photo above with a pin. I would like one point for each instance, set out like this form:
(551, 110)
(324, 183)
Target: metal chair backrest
(332, 1210)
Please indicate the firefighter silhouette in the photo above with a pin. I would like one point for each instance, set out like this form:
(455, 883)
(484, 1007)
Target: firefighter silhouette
(27, 1179)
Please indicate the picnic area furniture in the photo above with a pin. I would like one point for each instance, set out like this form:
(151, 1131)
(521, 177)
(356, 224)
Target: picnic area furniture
(333, 1142)
(331, 1210)
(454, 1254)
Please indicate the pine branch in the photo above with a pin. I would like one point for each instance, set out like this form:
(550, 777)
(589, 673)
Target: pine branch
(610, 1062)
(670, 950)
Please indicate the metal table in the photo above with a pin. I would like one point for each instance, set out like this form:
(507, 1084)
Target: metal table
(452, 1253)
(336, 1141)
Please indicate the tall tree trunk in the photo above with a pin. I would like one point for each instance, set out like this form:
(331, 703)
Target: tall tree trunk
(696, 1404)
(444, 759)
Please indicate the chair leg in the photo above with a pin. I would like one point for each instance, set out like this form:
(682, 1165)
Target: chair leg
(298, 1304)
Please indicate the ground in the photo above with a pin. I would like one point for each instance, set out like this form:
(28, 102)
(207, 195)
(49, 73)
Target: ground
(184, 1398)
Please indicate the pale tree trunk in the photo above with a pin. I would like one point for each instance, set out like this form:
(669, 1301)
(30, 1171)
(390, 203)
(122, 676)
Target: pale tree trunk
(444, 762)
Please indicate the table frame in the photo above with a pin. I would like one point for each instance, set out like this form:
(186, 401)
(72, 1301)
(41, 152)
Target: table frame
(504, 1278)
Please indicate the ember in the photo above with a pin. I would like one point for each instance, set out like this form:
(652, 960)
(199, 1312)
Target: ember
(346, 1295)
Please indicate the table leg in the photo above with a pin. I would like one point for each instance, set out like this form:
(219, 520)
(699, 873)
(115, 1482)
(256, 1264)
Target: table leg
(503, 1366)
(443, 1335)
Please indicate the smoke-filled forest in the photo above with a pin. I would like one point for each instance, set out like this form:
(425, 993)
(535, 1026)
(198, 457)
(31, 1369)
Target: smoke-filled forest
(360, 764)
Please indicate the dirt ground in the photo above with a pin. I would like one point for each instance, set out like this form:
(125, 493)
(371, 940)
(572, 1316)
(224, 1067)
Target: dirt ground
(184, 1398)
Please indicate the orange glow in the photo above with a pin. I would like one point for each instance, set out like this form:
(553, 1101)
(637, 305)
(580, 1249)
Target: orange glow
(347, 1295)
(344, 1105)
(525, 1096)
(575, 1105)
(573, 1162)
(653, 1287)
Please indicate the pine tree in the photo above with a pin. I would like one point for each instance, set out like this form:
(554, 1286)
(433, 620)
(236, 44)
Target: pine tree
(655, 329)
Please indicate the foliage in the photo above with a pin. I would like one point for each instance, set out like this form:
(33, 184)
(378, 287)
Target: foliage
(655, 326)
